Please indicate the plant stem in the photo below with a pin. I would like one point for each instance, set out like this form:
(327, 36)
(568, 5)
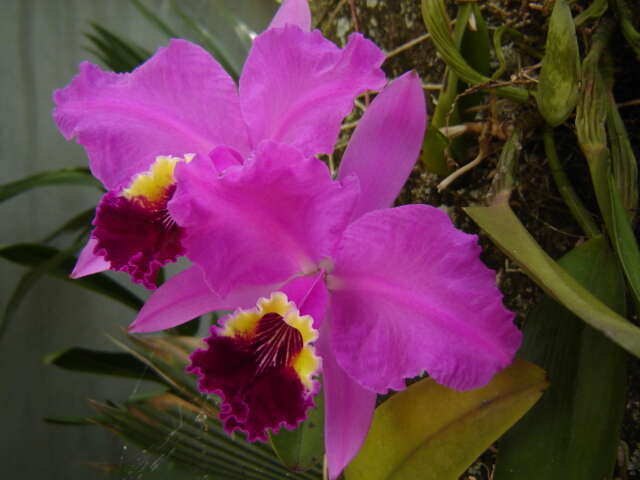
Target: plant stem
(569, 195)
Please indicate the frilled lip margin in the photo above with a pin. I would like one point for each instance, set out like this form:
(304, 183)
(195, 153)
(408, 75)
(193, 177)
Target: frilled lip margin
(261, 363)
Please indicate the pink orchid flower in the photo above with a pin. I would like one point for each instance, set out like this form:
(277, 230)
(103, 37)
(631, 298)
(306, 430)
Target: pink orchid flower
(366, 294)
(295, 88)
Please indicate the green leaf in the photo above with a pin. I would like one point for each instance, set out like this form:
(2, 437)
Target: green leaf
(557, 93)
(26, 283)
(624, 241)
(572, 433)
(117, 364)
(431, 432)
(302, 448)
(208, 41)
(596, 103)
(35, 255)
(74, 224)
(156, 470)
(624, 164)
(70, 421)
(119, 54)
(64, 176)
(180, 426)
(168, 356)
(593, 11)
(631, 35)
(144, 423)
(506, 231)
(569, 195)
(436, 20)
(189, 328)
(169, 426)
(436, 146)
(154, 19)
(475, 49)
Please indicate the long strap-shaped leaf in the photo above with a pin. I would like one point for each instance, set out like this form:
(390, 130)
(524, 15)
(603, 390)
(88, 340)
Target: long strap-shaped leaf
(46, 260)
(118, 364)
(573, 432)
(508, 233)
(65, 176)
(596, 103)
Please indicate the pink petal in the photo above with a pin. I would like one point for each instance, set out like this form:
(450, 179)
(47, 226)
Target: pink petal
(348, 410)
(310, 295)
(186, 296)
(180, 101)
(297, 86)
(293, 12)
(386, 143)
(88, 262)
(223, 157)
(409, 293)
(273, 218)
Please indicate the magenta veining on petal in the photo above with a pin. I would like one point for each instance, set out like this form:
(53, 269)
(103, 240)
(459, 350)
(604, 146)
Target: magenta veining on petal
(275, 343)
(254, 371)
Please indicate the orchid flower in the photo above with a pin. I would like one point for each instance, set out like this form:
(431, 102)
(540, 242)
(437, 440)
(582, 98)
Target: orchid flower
(325, 278)
(295, 88)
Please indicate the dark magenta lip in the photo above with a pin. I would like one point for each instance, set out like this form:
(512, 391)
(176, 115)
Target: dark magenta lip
(259, 392)
(137, 236)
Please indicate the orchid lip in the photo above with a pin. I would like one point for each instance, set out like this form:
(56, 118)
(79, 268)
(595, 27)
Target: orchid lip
(134, 231)
(261, 363)
(275, 343)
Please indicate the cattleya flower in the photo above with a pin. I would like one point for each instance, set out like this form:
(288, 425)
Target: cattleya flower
(295, 88)
(324, 278)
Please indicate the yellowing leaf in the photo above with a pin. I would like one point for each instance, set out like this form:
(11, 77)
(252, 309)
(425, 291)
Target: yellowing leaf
(432, 432)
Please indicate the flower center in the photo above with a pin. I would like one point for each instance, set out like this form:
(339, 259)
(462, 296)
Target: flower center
(152, 186)
(275, 343)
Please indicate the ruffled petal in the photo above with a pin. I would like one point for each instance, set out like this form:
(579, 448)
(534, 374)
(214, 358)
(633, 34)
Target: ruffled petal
(409, 293)
(186, 296)
(180, 101)
(252, 404)
(261, 363)
(88, 262)
(273, 218)
(386, 143)
(296, 86)
(136, 236)
(348, 410)
(293, 12)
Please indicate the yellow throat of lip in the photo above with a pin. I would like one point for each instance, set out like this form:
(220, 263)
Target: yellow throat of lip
(245, 322)
(152, 184)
